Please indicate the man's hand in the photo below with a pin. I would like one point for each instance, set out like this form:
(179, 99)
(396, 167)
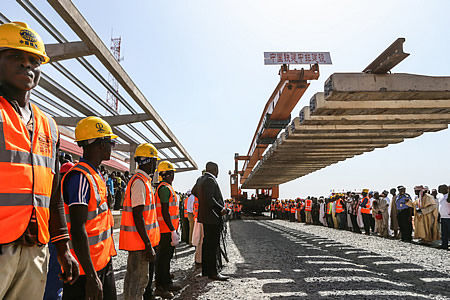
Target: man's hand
(224, 211)
(67, 262)
(150, 253)
(175, 239)
(94, 287)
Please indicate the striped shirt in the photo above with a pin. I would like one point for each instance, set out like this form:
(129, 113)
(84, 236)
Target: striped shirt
(76, 188)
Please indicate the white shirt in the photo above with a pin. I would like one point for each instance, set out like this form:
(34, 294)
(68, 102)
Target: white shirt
(190, 204)
(138, 191)
(444, 206)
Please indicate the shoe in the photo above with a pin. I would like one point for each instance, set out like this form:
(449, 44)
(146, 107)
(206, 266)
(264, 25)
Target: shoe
(219, 277)
(442, 247)
(165, 294)
(173, 287)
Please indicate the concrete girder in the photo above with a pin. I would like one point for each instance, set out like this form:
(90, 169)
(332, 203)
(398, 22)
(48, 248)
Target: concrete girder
(308, 119)
(111, 120)
(354, 135)
(70, 14)
(373, 141)
(399, 86)
(371, 127)
(319, 106)
(63, 51)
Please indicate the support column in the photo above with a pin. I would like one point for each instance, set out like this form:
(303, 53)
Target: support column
(132, 162)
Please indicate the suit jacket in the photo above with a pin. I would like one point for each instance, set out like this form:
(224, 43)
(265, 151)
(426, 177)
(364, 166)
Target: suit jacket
(210, 200)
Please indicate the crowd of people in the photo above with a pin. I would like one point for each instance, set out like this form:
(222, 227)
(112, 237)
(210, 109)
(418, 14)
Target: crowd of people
(50, 203)
(394, 214)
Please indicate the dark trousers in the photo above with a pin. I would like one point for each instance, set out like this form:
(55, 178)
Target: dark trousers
(53, 287)
(367, 220)
(151, 270)
(330, 220)
(210, 246)
(404, 222)
(342, 217)
(445, 231)
(185, 230)
(77, 290)
(163, 257)
(355, 223)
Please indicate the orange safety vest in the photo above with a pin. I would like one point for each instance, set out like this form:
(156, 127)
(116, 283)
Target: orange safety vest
(26, 176)
(195, 208)
(365, 209)
(130, 240)
(308, 206)
(330, 208)
(292, 209)
(99, 224)
(174, 209)
(339, 207)
(185, 207)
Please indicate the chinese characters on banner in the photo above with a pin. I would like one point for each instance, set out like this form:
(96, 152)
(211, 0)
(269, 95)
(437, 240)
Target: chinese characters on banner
(291, 58)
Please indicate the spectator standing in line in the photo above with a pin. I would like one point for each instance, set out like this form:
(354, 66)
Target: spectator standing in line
(380, 213)
(110, 186)
(425, 216)
(353, 211)
(184, 219)
(190, 211)
(404, 214)
(366, 211)
(444, 211)
(393, 214)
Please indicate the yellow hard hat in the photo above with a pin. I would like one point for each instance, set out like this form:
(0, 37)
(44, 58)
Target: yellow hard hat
(17, 35)
(146, 150)
(93, 128)
(165, 166)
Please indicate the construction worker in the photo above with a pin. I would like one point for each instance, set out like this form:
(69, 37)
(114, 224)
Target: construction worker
(308, 209)
(167, 208)
(31, 210)
(139, 229)
(184, 221)
(341, 215)
(88, 217)
(366, 211)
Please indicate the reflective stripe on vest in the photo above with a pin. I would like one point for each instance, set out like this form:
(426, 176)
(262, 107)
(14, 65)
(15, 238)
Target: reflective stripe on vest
(196, 208)
(308, 206)
(174, 210)
(100, 221)
(293, 210)
(130, 239)
(330, 208)
(185, 207)
(339, 207)
(27, 171)
(365, 209)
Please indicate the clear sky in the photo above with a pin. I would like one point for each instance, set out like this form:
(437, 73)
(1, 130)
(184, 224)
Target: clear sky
(200, 64)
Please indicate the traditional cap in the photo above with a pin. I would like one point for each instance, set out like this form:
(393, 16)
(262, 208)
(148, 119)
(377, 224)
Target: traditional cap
(401, 187)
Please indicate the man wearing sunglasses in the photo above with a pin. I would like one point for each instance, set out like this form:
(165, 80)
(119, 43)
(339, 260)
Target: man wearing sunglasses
(88, 217)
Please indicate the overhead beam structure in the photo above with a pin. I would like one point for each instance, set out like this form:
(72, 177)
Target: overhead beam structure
(356, 113)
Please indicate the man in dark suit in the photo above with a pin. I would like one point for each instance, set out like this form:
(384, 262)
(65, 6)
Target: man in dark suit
(210, 211)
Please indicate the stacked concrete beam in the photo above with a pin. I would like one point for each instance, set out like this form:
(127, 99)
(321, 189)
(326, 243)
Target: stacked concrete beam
(356, 113)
